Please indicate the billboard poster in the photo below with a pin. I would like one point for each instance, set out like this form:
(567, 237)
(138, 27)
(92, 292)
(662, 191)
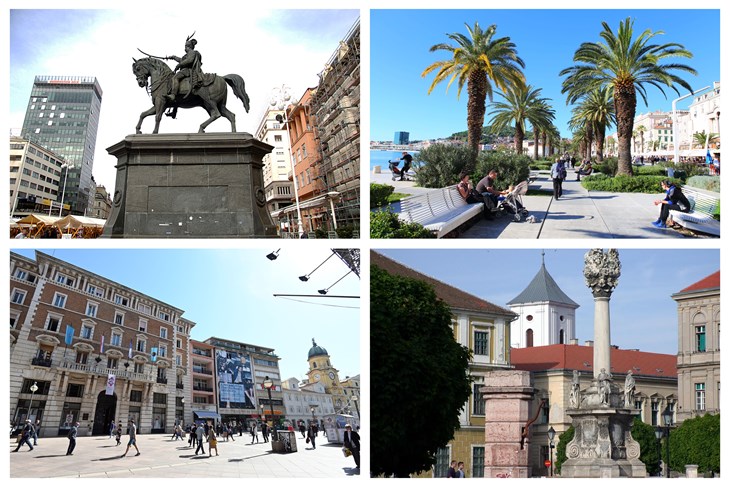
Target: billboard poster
(235, 380)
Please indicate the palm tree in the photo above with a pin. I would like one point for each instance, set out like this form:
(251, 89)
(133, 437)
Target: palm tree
(521, 104)
(704, 140)
(641, 129)
(582, 132)
(483, 63)
(597, 109)
(626, 65)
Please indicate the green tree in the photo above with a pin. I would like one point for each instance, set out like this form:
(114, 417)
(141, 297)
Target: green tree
(482, 62)
(702, 139)
(625, 65)
(386, 224)
(418, 371)
(521, 104)
(440, 165)
(695, 442)
(596, 108)
(560, 455)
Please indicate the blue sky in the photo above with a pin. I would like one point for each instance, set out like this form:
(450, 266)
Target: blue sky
(545, 39)
(643, 314)
(229, 294)
(268, 48)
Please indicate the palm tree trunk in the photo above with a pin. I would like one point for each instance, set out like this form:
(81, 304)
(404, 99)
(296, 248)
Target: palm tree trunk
(476, 107)
(625, 103)
(537, 137)
(589, 139)
(544, 139)
(600, 139)
(519, 137)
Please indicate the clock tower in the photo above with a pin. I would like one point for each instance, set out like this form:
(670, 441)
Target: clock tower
(322, 371)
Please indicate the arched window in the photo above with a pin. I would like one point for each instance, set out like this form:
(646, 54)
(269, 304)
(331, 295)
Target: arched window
(562, 337)
(528, 338)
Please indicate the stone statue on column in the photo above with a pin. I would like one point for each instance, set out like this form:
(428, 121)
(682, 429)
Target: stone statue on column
(629, 386)
(575, 390)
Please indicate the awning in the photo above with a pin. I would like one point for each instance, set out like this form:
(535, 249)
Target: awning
(207, 414)
(318, 202)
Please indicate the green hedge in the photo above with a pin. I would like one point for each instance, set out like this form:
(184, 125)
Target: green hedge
(385, 224)
(379, 194)
(625, 184)
(709, 183)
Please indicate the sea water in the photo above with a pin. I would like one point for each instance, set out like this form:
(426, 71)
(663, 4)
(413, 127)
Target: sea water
(382, 157)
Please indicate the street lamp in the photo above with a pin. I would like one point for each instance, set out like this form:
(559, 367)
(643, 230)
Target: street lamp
(268, 384)
(281, 99)
(658, 433)
(551, 437)
(668, 419)
(33, 389)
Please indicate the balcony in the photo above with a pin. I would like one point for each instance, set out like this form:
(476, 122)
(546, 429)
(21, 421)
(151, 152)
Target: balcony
(105, 371)
(162, 380)
(180, 385)
(202, 388)
(41, 362)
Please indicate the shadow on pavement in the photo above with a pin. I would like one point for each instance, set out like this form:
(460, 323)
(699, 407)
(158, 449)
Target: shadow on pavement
(51, 456)
(105, 459)
(351, 471)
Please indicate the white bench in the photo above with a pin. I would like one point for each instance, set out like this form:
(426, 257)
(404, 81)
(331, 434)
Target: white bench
(441, 210)
(702, 206)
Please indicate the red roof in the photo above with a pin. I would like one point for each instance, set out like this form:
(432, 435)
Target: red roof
(454, 297)
(710, 282)
(580, 357)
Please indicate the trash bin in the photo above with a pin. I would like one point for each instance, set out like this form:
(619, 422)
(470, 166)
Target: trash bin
(286, 442)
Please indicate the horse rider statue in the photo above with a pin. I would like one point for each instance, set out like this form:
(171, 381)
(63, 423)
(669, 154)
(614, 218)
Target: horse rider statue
(188, 66)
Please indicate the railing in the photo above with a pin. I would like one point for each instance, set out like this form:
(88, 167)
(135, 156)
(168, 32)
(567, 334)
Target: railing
(162, 380)
(96, 369)
(202, 388)
(43, 362)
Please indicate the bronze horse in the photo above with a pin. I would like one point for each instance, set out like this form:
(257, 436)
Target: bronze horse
(211, 97)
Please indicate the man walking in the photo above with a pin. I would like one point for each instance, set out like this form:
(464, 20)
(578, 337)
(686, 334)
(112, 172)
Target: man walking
(311, 434)
(352, 443)
(25, 436)
(265, 431)
(254, 432)
(72, 433)
(558, 173)
(199, 433)
(132, 438)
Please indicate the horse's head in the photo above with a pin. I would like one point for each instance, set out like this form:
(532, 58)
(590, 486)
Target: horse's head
(141, 71)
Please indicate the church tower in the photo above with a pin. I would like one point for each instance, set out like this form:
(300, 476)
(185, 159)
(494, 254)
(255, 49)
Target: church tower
(322, 371)
(546, 315)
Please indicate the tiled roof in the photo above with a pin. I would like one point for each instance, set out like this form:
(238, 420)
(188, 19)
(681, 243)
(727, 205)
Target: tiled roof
(543, 288)
(580, 357)
(452, 296)
(710, 282)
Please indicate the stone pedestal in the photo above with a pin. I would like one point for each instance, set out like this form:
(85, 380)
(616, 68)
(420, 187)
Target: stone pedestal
(189, 185)
(507, 397)
(602, 445)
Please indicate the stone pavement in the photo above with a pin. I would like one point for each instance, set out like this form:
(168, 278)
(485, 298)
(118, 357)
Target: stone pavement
(98, 456)
(578, 214)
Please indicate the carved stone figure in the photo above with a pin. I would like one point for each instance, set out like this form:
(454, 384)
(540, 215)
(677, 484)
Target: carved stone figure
(604, 386)
(601, 271)
(629, 386)
(575, 390)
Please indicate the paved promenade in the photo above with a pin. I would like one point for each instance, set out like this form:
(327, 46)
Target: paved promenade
(578, 214)
(97, 456)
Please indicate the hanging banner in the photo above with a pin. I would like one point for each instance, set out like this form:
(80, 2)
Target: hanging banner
(69, 334)
(102, 345)
(110, 383)
(130, 349)
(154, 354)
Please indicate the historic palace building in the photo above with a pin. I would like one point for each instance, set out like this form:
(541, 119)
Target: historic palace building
(85, 348)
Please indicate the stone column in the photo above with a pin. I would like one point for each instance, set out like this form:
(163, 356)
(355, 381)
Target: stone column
(507, 397)
(601, 272)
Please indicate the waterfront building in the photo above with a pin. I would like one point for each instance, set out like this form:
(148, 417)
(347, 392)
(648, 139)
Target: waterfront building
(551, 370)
(545, 314)
(35, 178)
(63, 116)
(401, 138)
(93, 349)
(698, 358)
(336, 108)
(484, 328)
(277, 164)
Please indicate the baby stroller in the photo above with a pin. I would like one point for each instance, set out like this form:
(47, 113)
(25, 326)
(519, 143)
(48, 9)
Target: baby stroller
(393, 166)
(512, 202)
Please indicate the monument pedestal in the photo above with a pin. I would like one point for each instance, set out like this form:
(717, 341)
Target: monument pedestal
(189, 186)
(602, 445)
(507, 396)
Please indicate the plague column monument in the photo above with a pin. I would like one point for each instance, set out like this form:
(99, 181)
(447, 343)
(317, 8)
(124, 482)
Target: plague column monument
(602, 445)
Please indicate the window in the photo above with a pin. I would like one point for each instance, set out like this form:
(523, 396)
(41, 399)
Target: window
(118, 318)
(178, 359)
(481, 343)
(142, 325)
(75, 390)
(163, 332)
(700, 396)
(442, 462)
(64, 279)
(477, 400)
(545, 412)
(162, 351)
(178, 343)
(163, 316)
(92, 309)
(135, 396)
(20, 273)
(144, 308)
(121, 300)
(116, 339)
(654, 413)
(53, 323)
(59, 300)
(138, 368)
(477, 461)
(141, 345)
(18, 296)
(82, 357)
(529, 337)
(94, 291)
(158, 398)
(700, 338)
(87, 331)
(112, 363)
(277, 138)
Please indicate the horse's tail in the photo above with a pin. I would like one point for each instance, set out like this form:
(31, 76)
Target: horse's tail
(239, 89)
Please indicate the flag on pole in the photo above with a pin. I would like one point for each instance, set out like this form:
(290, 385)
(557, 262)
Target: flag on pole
(154, 354)
(708, 157)
(69, 334)
(110, 383)
(130, 349)
(102, 345)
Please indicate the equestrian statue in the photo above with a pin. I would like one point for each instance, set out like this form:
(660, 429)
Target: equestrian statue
(186, 87)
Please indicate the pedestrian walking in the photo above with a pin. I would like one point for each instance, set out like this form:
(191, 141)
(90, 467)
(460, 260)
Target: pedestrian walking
(119, 433)
(193, 436)
(36, 429)
(303, 429)
(265, 432)
(558, 173)
(230, 432)
(25, 436)
(311, 435)
(351, 441)
(460, 471)
(254, 433)
(112, 429)
(132, 438)
(72, 433)
(199, 434)
(212, 443)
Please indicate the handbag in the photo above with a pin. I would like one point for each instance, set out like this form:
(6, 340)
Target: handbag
(307, 439)
(346, 452)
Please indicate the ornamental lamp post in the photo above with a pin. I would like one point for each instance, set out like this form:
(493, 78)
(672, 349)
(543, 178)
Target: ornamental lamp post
(551, 437)
(668, 418)
(268, 384)
(658, 433)
(33, 390)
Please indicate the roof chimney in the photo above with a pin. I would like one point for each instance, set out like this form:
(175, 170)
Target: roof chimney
(573, 341)
(589, 343)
